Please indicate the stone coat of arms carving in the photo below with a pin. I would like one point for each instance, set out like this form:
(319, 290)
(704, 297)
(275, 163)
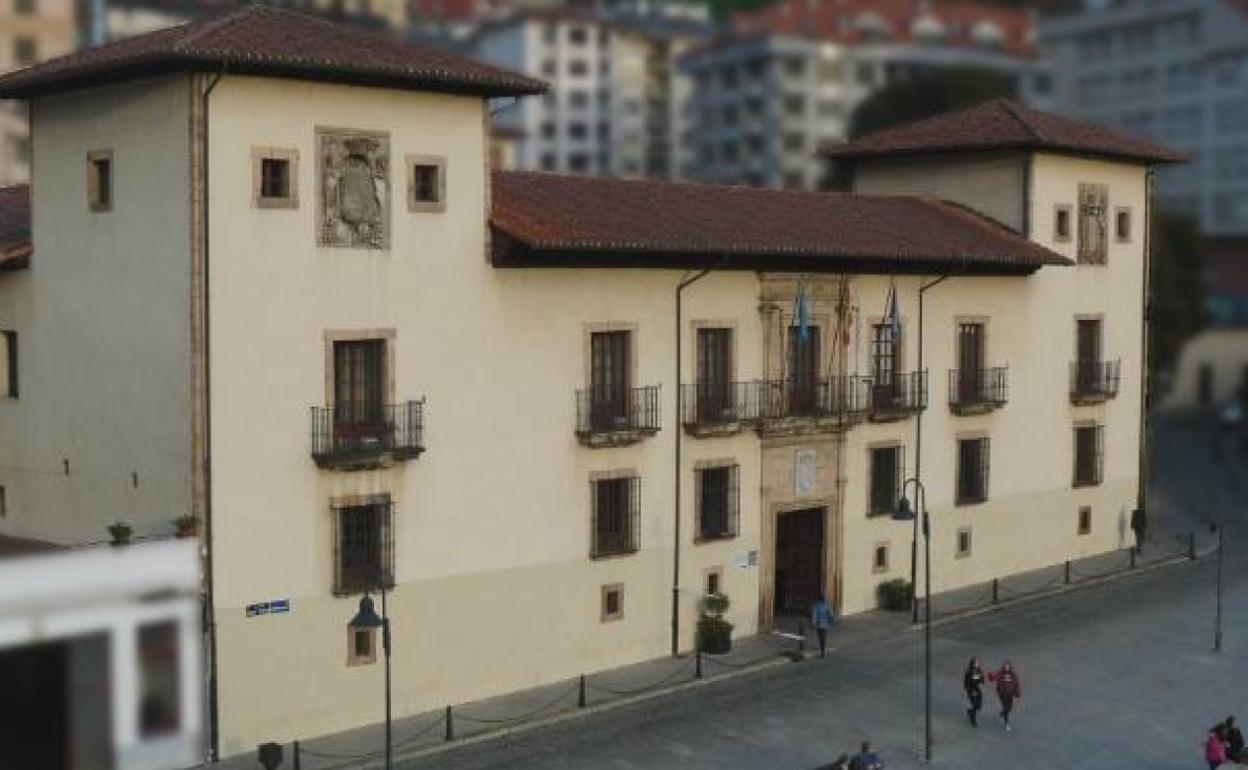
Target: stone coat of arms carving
(353, 169)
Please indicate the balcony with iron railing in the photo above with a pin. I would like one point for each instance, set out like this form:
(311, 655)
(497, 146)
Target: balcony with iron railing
(796, 406)
(976, 391)
(616, 416)
(1092, 382)
(352, 435)
(718, 408)
(896, 397)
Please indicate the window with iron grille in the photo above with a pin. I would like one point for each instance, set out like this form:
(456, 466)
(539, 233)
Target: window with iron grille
(972, 470)
(610, 370)
(719, 507)
(714, 394)
(884, 343)
(616, 516)
(1089, 455)
(887, 472)
(359, 380)
(364, 547)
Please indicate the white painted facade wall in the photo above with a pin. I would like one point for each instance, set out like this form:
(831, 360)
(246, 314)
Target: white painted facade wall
(102, 323)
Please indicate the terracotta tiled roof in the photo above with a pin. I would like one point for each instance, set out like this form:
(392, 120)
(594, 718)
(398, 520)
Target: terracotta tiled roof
(1002, 124)
(14, 227)
(853, 22)
(549, 219)
(267, 41)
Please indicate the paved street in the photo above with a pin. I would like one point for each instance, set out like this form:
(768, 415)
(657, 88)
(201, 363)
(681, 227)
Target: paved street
(1114, 676)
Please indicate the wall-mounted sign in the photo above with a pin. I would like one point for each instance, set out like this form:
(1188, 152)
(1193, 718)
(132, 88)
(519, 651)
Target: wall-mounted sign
(273, 607)
(804, 472)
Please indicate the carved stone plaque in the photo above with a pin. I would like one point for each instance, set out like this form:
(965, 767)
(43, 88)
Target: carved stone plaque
(353, 169)
(1093, 223)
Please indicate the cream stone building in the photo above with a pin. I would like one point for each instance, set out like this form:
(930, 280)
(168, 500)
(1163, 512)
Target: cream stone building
(267, 279)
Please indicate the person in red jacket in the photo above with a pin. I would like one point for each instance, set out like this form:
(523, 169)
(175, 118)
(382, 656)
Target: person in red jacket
(1008, 688)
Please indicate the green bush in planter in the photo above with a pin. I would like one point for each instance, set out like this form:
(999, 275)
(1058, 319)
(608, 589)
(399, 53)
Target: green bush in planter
(896, 594)
(714, 633)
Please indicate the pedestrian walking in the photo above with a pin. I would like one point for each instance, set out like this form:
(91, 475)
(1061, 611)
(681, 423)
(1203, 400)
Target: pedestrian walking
(866, 759)
(1215, 748)
(821, 618)
(973, 683)
(1009, 688)
(1232, 739)
(1139, 525)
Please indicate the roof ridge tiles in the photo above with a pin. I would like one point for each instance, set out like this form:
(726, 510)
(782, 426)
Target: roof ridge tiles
(1013, 110)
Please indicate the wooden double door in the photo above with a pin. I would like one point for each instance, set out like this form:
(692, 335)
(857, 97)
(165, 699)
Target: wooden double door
(799, 561)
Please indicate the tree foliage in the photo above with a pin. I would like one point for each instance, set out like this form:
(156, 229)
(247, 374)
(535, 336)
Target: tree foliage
(905, 101)
(1178, 286)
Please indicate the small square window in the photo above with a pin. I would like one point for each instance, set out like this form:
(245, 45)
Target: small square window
(8, 364)
(1061, 223)
(879, 558)
(361, 646)
(426, 183)
(612, 602)
(1085, 520)
(714, 582)
(4, 502)
(1122, 225)
(275, 178)
(964, 542)
(100, 180)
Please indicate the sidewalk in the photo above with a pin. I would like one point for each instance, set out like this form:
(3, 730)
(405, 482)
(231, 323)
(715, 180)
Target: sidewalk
(428, 733)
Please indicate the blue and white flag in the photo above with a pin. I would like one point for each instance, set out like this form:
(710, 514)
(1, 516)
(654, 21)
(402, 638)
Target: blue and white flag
(891, 314)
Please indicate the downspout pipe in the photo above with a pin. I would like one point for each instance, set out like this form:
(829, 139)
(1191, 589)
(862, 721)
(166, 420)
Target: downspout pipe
(685, 283)
(210, 616)
(918, 450)
(1146, 326)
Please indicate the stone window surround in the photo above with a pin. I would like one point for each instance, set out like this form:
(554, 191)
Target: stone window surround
(959, 551)
(1083, 524)
(976, 434)
(350, 335)
(983, 321)
(604, 615)
(355, 659)
(419, 206)
(885, 443)
(885, 547)
(593, 327)
(718, 572)
(712, 323)
(1058, 235)
(94, 202)
(899, 363)
(258, 156)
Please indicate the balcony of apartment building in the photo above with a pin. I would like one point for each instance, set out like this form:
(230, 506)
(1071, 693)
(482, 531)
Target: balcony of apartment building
(367, 434)
(894, 395)
(616, 415)
(1093, 382)
(718, 408)
(799, 405)
(977, 390)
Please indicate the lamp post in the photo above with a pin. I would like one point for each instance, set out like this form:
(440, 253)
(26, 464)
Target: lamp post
(905, 513)
(367, 620)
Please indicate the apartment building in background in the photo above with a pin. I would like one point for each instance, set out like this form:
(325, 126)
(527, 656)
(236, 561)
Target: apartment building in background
(786, 79)
(1176, 72)
(30, 31)
(412, 371)
(616, 103)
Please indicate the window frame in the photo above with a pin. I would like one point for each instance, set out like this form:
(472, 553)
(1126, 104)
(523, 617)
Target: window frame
(101, 188)
(1119, 235)
(732, 502)
(420, 205)
(628, 537)
(11, 364)
(885, 547)
(354, 656)
(606, 615)
(1097, 468)
(1062, 214)
(959, 551)
(983, 467)
(384, 506)
(1083, 521)
(145, 649)
(899, 473)
(259, 155)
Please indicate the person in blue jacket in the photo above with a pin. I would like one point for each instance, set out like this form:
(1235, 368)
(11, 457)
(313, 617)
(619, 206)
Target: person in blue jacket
(821, 618)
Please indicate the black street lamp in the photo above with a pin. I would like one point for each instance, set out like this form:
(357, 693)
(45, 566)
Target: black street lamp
(367, 620)
(905, 513)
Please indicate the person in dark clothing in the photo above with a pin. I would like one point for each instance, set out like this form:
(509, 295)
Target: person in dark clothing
(1139, 525)
(866, 759)
(973, 683)
(1008, 689)
(1232, 738)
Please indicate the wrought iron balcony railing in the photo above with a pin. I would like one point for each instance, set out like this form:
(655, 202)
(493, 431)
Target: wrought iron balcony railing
(972, 391)
(839, 398)
(718, 405)
(897, 397)
(1094, 381)
(611, 416)
(353, 434)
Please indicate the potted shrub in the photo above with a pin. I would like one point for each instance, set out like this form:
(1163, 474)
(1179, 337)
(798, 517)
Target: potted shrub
(120, 533)
(896, 594)
(714, 633)
(186, 526)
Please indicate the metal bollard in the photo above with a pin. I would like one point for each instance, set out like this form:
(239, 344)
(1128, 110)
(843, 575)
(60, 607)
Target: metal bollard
(450, 724)
(1066, 577)
(801, 643)
(1132, 564)
(996, 590)
(1191, 546)
(697, 664)
(580, 696)
(298, 765)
